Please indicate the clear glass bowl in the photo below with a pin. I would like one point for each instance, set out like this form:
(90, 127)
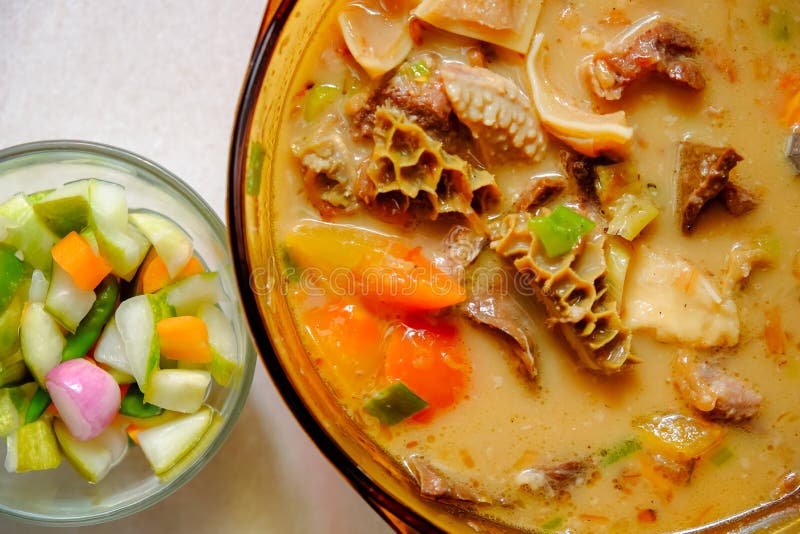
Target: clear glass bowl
(61, 496)
(286, 30)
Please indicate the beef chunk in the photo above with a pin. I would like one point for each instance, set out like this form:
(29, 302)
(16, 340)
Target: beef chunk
(436, 484)
(738, 200)
(711, 391)
(554, 479)
(793, 150)
(659, 47)
(702, 174)
(539, 190)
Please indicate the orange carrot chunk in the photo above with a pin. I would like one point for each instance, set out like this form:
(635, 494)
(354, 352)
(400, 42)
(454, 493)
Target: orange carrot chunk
(193, 266)
(184, 338)
(75, 255)
(154, 273)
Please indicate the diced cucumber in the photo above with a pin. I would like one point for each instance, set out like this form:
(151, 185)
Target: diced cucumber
(119, 241)
(12, 271)
(14, 403)
(65, 301)
(197, 450)
(164, 445)
(41, 341)
(110, 349)
(94, 458)
(13, 369)
(36, 196)
(27, 233)
(33, 447)
(39, 286)
(179, 390)
(65, 209)
(222, 339)
(88, 235)
(187, 295)
(9, 325)
(136, 322)
(173, 245)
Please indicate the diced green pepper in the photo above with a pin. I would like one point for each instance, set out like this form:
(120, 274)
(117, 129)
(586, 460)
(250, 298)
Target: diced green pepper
(318, 98)
(89, 329)
(560, 231)
(721, 456)
(255, 163)
(133, 404)
(417, 70)
(39, 403)
(618, 452)
(394, 403)
(552, 524)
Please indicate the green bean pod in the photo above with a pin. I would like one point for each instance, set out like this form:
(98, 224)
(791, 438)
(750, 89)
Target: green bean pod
(90, 328)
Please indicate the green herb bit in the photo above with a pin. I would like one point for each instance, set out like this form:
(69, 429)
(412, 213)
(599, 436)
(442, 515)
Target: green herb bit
(721, 456)
(255, 162)
(394, 403)
(417, 70)
(318, 98)
(39, 403)
(617, 453)
(560, 231)
(552, 524)
(133, 404)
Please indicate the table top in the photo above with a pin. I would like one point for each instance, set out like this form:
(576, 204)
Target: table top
(162, 78)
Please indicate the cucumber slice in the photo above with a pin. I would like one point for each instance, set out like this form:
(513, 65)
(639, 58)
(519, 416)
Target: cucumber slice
(88, 235)
(119, 241)
(110, 349)
(201, 446)
(9, 325)
(12, 270)
(27, 233)
(14, 406)
(189, 294)
(179, 390)
(13, 369)
(33, 447)
(65, 209)
(136, 322)
(41, 341)
(164, 445)
(94, 458)
(37, 292)
(65, 301)
(173, 245)
(36, 196)
(222, 340)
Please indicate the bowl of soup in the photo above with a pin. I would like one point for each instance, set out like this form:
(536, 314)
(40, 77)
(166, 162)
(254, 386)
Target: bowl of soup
(530, 266)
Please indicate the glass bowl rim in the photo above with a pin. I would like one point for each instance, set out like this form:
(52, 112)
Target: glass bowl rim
(248, 353)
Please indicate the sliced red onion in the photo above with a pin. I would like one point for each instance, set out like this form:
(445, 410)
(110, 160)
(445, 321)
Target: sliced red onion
(87, 397)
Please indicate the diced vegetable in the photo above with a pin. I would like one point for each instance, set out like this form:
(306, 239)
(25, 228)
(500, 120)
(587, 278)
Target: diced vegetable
(33, 447)
(430, 360)
(394, 404)
(678, 436)
(134, 405)
(86, 397)
(37, 292)
(12, 271)
(318, 98)
(136, 322)
(37, 406)
(14, 402)
(628, 206)
(93, 458)
(110, 349)
(154, 276)
(9, 325)
(194, 453)
(721, 456)
(179, 390)
(88, 331)
(65, 301)
(552, 524)
(417, 70)
(384, 269)
(41, 341)
(75, 255)
(255, 164)
(65, 209)
(174, 246)
(222, 340)
(166, 444)
(620, 451)
(561, 230)
(27, 233)
(189, 294)
(184, 338)
(13, 369)
(774, 335)
(618, 258)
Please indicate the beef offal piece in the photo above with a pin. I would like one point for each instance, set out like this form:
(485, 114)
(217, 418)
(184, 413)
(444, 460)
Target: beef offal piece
(703, 172)
(651, 46)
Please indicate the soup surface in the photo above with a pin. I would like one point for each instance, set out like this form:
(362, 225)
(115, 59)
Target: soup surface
(546, 255)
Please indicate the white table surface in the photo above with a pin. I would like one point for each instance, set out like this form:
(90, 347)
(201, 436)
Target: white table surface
(162, 78)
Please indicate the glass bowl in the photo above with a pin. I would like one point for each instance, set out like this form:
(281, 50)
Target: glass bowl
(61, 496)
(285, 32)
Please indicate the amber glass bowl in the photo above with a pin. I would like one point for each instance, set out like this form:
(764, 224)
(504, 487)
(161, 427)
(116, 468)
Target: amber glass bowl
(287, 29)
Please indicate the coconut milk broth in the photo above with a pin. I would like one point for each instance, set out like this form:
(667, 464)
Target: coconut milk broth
(507, 423)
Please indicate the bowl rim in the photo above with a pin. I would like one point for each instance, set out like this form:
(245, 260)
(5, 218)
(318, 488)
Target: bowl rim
(248, 353)
(388, 507)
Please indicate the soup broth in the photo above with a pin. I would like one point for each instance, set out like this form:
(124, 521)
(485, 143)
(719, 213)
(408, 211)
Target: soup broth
(689, 414)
